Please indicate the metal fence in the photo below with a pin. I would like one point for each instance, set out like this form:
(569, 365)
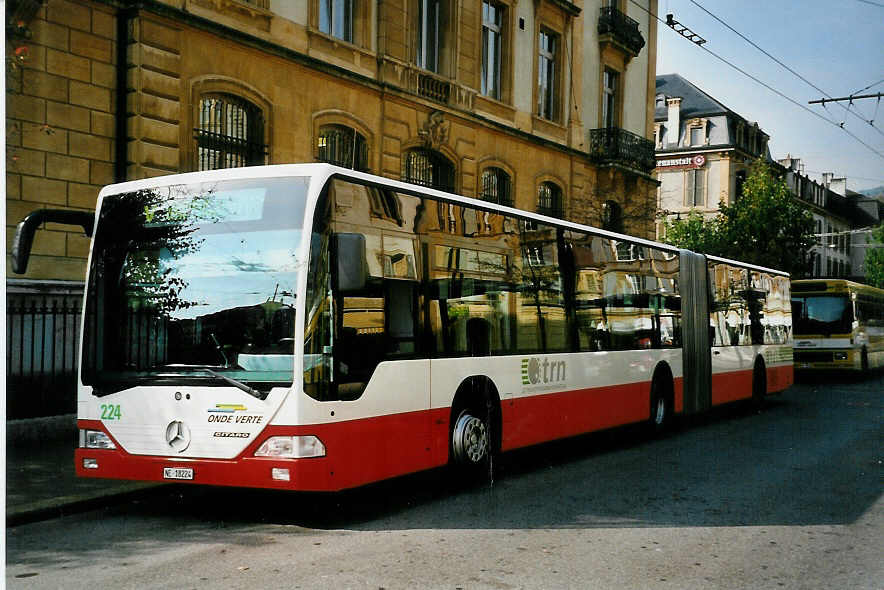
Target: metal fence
(42, 335)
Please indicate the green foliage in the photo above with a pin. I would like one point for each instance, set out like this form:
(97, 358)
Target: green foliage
(695, 232)
(875, 258)
(765, 226)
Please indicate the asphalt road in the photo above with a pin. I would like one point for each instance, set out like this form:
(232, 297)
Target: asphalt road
(787, 498)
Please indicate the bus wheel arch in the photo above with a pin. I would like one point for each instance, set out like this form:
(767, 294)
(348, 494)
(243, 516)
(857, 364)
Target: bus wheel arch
(474, 427)
(759, 382)
(661, 399)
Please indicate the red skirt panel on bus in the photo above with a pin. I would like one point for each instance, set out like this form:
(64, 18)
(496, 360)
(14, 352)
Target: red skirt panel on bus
(357, 452)
(540, 418)
(737, 385)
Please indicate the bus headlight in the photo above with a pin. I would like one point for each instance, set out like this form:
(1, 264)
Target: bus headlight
(95, 439)
(291, 447)
(840, 356)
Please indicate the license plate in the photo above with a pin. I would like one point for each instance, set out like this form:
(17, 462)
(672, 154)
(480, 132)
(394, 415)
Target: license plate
(177, 473)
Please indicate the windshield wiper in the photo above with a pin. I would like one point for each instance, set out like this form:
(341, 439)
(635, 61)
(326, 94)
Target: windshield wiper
(238, 384)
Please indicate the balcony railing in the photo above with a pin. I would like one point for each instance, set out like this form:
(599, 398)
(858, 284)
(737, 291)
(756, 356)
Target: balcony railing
(619, 28)
(433, 88)
(612, 145)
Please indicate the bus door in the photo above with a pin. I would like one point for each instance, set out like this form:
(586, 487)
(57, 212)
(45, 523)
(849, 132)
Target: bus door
(696, 352)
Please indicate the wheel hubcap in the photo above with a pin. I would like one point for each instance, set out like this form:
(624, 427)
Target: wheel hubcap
(470, 439)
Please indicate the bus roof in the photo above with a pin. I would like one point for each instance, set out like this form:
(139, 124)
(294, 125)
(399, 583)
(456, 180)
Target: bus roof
(323, 172)
(822, 285)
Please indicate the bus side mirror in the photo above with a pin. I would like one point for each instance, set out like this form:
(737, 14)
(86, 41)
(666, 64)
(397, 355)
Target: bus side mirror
(24, 232)
(352, 266)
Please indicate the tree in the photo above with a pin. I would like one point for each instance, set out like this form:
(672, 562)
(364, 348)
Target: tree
(875, 258)
(695, 232)
(766, 226)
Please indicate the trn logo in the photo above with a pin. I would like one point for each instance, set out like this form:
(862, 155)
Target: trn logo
(536, 371)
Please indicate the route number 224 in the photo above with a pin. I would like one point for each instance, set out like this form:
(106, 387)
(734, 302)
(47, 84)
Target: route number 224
(110, 412)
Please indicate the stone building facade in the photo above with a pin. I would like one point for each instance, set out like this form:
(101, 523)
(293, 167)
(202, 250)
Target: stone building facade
(407, 82)
(543, 104)
(704, 150)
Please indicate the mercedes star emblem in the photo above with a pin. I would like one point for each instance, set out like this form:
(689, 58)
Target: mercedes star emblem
(178, 435)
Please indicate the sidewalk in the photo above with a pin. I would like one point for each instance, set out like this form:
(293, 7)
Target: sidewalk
(40, 481)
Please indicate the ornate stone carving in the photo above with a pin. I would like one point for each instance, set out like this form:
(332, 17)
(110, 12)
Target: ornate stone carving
(434, 131)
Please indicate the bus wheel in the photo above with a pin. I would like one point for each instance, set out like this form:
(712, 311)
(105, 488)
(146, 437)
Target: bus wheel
(470, 440)
(661, 407)
(759, 384)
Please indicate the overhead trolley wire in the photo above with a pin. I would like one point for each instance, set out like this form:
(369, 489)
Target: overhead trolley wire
(796, 74)
(772, 89)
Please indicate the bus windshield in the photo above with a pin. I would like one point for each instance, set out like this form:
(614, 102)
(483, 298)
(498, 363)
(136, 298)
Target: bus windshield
(195, 282)
(821, 314)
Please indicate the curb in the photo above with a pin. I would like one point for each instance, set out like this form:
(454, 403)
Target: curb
(72, 504)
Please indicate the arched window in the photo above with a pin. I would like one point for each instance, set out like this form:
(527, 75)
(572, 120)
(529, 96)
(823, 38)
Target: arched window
(612, 216)
(342, 146)
(549, 200)
(428, 168)
(229, 133)
(496, 187)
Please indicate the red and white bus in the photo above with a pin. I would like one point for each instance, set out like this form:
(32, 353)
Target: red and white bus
(308, 327)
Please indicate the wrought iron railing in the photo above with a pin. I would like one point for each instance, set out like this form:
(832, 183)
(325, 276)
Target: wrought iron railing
(217, 150)
(621, 28)
(612, 145)
(42, 333)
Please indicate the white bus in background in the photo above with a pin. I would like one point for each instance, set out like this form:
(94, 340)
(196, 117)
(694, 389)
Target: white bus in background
(308, 327)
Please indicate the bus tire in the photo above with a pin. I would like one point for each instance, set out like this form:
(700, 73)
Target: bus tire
(470, 439)
(759, 384)
(661, 403)
(475, 431)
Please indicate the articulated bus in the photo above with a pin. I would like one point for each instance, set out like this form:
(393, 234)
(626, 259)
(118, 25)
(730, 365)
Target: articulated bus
(838, 324)
(308, 327)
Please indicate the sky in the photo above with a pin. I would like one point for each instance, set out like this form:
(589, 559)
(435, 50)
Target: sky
(835, 45)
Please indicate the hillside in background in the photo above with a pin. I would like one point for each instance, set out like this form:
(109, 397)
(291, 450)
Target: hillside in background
(878, 191)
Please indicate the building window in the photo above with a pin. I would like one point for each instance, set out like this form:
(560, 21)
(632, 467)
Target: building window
(229, 133)
(496, 187)
(549, 200)
(428, 168)
(342, 146)
(695, 133)
(740, 180)
(695, 188)
(428, 34)
(609, 98)
(612, 216)
(492, 40)
(547, 76)
(659, 130)
(336, 18)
